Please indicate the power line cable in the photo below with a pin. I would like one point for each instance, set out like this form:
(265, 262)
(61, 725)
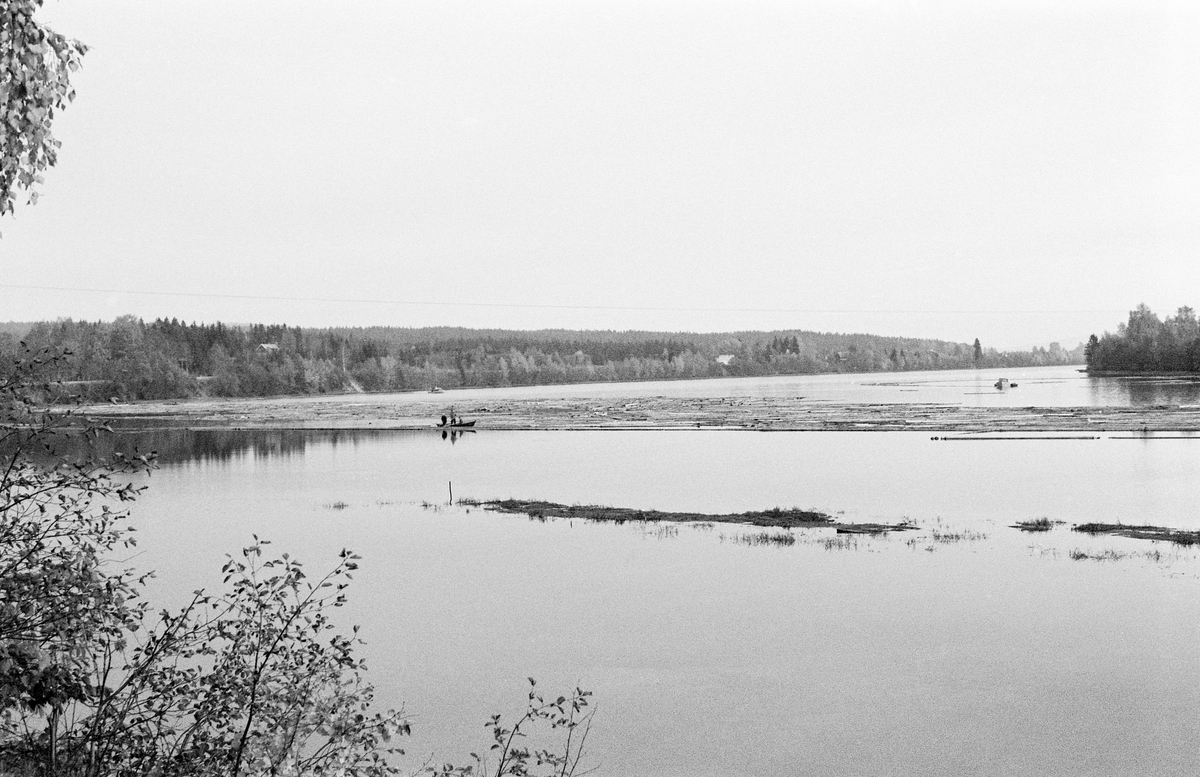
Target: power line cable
(529, 305)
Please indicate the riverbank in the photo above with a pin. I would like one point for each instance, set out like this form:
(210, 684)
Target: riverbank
(770, 413)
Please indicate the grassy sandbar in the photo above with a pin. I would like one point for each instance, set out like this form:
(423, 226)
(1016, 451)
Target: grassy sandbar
(784, 518)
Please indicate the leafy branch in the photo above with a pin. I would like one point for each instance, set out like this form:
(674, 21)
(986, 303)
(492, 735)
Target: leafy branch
(35, 81)
(570, 717)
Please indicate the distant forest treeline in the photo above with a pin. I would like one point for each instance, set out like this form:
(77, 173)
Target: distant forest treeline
(132, 359)
(1146, 344)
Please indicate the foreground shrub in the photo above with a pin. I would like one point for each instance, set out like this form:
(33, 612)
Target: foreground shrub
(252, 680)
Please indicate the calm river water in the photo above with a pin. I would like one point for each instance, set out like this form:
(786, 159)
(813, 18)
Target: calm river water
(994, 654)
(1036, 387)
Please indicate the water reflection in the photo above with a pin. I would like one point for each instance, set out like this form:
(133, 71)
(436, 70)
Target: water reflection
(1144, 391)
(175, 446)
(223, 445)
(454, 434)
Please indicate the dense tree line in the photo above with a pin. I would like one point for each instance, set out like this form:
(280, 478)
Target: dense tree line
(130, 358)
(1146, 344)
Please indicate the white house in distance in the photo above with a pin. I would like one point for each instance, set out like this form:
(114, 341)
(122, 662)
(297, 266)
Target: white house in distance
(724, 359)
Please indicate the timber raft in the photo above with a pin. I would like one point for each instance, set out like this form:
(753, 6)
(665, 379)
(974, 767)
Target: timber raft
(766, 414)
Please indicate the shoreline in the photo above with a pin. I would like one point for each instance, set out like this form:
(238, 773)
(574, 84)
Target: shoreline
(765, 414)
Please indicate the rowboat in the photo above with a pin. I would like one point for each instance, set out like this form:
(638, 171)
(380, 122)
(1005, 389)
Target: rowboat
(456, 425)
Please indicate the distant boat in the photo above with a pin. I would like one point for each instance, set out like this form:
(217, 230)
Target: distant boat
(456, 425)
(1002, 384)
(436, 390)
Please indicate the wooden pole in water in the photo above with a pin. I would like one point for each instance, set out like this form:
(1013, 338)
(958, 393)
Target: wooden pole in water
(451, 482)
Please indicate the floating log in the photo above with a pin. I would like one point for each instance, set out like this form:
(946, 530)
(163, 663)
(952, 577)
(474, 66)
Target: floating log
(872, 528)
(1162, 533)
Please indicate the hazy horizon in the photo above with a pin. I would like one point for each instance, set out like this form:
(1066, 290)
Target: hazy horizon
(1022, 173)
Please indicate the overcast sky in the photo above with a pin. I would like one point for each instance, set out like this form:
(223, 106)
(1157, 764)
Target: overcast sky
(1017, 172)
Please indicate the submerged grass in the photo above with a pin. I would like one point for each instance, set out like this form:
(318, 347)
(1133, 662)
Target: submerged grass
(1111, 554)
(920, 542)
(839, 542)
(766, 538)
(666, 531)
(1108, 554)
(965, 535)
(1036, 524)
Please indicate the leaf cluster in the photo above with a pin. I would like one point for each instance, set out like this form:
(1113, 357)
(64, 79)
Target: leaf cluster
(59, 519)
(35, 81)
(254, 680)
